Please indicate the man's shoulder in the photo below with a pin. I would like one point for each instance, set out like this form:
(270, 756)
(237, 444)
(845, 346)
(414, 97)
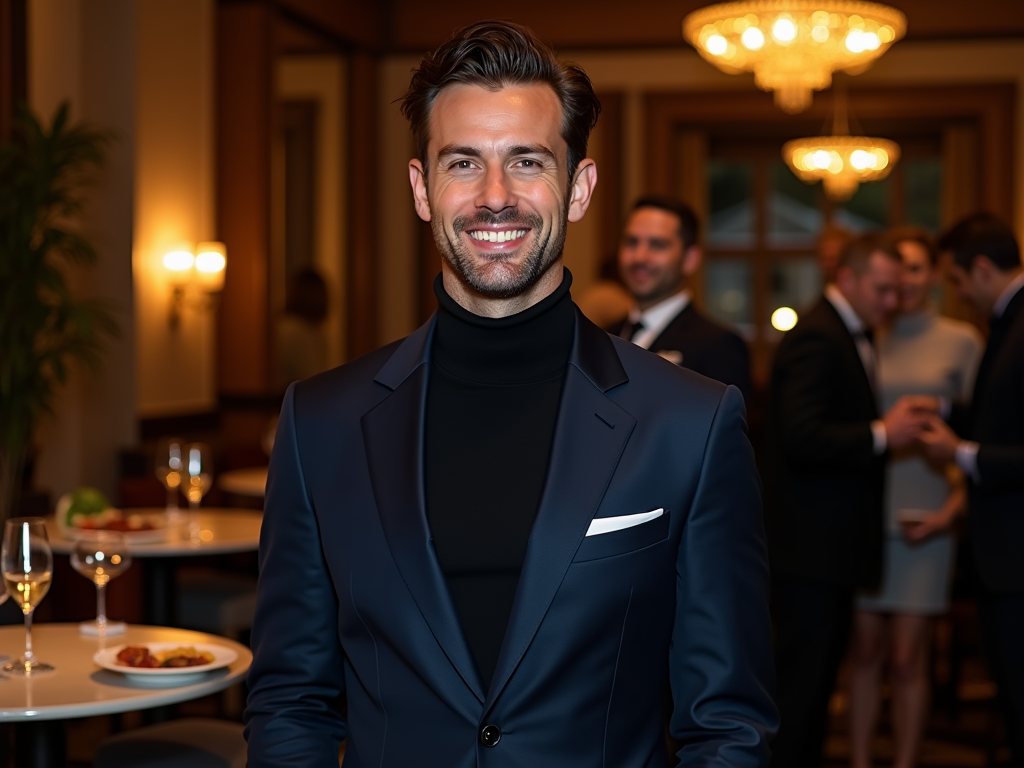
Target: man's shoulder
(659, 381)
(347, 381)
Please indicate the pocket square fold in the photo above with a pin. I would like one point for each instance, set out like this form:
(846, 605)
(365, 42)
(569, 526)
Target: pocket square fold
(601, 525)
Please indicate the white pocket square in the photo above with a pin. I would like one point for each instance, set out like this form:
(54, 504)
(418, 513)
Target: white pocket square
(601, 525)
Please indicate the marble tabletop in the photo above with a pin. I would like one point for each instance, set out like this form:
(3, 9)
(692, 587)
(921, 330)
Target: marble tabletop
(80, 688)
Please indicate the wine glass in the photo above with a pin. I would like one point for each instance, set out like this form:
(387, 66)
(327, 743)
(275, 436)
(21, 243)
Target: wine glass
(170, 454)
(27, 564)
(199, 474)
(101, 556)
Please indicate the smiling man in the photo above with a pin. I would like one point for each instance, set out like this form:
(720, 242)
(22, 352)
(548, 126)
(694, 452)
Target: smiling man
(497, 541)
(658, 254)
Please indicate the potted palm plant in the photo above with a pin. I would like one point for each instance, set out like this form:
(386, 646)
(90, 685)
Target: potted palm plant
(44, 327)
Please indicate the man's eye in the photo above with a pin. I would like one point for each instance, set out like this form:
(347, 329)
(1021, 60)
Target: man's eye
(461, 165)
(528, 164)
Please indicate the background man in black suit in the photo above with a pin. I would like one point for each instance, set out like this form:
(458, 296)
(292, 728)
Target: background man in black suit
(824, 468)
(987, 273)
(658, 253)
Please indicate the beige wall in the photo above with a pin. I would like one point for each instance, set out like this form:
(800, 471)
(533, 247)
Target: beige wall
(174, 200)
(88, 58)
(635, 73)
(321, 79)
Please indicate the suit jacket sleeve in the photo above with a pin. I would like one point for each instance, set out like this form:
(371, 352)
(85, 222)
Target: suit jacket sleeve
(1001, 467)
(720, 660)
(296, 683)
(811, 436)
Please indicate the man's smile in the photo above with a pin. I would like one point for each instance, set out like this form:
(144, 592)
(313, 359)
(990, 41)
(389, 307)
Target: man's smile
(497, 235)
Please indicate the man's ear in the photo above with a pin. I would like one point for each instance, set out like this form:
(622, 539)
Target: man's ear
(583, 185)
(692, 260)
(418, 182)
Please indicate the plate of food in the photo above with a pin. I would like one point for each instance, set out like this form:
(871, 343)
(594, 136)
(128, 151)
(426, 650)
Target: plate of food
(165, 663)
(87, 510)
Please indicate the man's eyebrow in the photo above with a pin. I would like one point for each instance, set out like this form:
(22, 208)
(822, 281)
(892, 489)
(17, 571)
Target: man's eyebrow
(456, 149)
(534, 149)
(524, 149)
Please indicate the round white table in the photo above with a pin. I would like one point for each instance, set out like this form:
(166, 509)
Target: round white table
(221, 532)
(251, 481)
(80, 688)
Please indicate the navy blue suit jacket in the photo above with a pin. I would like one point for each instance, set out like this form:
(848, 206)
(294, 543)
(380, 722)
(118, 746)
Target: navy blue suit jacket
(356, 638)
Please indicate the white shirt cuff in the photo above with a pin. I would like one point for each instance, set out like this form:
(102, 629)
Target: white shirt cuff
(881, 440)
(966, 457)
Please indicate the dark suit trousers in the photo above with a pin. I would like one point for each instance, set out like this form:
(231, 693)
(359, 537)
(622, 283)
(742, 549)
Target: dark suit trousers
(1002, 618)
(812, 629)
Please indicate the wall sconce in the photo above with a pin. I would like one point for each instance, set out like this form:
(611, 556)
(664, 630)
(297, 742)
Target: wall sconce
(195, 278)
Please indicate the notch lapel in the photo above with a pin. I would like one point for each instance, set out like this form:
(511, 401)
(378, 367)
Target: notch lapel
(393, 437)
(591, 432)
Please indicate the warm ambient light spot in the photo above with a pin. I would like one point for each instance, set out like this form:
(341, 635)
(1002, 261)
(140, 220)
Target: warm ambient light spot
(178, 261)
(783, 319)
(856, 41)
(752, 38)
(819, 33)
(210, 261)
(784, 30)
(716, 45)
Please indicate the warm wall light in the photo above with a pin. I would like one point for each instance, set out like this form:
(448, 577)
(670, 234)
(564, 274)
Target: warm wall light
(211, 260)
(195, 278)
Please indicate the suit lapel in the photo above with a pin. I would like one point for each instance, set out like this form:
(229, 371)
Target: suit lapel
(393, 436)
(590, 434)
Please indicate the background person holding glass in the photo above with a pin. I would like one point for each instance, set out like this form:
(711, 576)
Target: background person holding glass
(919, 353)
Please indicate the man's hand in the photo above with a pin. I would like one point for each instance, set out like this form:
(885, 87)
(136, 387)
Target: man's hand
(921, 403)
(938, 441)
(904, 422)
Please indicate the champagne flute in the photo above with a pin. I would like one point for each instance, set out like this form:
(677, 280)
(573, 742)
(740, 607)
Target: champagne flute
(100, 557)
(27, 564)
(199, 472)
(170, 466)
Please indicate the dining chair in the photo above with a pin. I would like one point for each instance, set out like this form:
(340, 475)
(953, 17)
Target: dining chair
(196, 742)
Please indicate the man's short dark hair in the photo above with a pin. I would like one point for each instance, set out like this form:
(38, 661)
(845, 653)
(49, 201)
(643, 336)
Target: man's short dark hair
(689, 226)
(858, 252)
(981, 234)
(495, 55)
(914, 234)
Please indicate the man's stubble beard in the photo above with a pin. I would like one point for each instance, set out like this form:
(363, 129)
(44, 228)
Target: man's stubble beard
(512, 280)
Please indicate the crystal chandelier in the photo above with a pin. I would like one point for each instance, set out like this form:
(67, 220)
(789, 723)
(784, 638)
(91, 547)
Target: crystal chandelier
(840, 161)
(793, 46)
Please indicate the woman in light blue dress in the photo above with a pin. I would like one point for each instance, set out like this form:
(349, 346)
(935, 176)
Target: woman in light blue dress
(920, 353)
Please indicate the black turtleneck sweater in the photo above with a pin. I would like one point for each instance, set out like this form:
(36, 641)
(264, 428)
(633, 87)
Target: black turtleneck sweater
(495, 385)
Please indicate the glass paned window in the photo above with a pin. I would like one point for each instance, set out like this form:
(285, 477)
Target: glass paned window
(729, 293)
(795, 283)
(868, 209)
(794, 210)
(731, 196)
(923, 185)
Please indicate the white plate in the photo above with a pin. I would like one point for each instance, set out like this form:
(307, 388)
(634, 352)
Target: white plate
(222, 656)
(145, 536)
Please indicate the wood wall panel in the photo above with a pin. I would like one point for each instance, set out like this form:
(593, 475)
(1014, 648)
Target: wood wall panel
(990, 107)
(362, 200)
(245, 54)
(13, 55)
(416, 26)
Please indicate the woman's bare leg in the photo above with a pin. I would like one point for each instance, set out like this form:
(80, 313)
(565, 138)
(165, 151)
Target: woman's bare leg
(909, 661)
(869, 646)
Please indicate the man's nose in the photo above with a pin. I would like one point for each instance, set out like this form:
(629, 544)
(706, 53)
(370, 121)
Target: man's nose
(497, 192)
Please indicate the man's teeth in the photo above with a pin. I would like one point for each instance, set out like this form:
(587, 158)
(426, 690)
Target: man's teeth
(497, 237)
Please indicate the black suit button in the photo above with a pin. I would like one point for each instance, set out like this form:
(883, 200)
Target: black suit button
(490, 735)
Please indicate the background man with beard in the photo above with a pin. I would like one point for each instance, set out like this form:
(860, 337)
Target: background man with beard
(658, 253)
(491, 542)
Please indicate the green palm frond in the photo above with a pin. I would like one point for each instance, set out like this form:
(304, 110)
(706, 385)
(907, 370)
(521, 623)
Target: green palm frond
(43, 326)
